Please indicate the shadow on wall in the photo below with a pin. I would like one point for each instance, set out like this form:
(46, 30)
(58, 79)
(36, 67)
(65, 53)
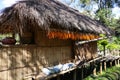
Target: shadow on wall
(16, 62)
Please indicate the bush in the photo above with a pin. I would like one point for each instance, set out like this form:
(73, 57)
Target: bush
(112, 73)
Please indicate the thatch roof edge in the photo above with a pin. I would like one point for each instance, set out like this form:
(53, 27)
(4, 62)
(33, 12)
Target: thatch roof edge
(48, 14)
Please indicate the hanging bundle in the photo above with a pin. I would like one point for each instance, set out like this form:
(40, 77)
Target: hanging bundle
(71, 35)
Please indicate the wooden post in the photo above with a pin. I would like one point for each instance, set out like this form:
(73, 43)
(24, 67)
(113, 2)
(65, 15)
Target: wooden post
(94, 71)
(33, 79)
(74, 75)
(100, 67)
(118, 61)
(104, 50)
(110, 63)
(58, 77)
(115, 62)
(82, 73)
(104, 65)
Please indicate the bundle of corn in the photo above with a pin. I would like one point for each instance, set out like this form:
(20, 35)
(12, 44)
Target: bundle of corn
(71, 35)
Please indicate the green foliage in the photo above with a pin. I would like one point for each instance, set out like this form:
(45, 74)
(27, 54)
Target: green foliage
(104, 42)
(112, 46)
(112, 73)
(101, 3)
(106, 17)
(112, 43)
(85, 1)
(103, 13)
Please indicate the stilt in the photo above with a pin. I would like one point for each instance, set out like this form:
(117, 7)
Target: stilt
(118, 62)
(58, 77)
(115, 62)
(74, 75)
(82, 73)
(100, 67)
(104, 65)
(110, 63)
(94, 71)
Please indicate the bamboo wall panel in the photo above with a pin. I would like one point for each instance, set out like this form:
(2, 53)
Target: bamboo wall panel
(42, 40)
(16, 62)
(4, 59)
(53, 55)
(4, 75)
(86, 51)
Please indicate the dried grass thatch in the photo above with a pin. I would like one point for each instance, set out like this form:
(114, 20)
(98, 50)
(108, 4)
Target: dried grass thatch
(31, 15)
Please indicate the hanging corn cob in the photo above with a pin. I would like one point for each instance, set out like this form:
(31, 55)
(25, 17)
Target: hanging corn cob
(71, 35)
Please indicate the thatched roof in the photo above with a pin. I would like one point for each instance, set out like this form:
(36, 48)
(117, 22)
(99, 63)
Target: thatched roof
(46, 15)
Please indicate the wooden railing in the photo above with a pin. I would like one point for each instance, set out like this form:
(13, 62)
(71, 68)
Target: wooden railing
(103, 62)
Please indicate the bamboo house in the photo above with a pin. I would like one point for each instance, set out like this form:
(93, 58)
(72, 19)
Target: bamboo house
(49, 32)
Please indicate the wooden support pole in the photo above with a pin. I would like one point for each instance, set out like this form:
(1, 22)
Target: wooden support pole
(94, 71)
(33, 79)
(74, 75)
(110, 63)
(104, 65)
(118, 61)
(115, 62)
(58, 77)
(104, 50)
(100, 67)
(82, 73)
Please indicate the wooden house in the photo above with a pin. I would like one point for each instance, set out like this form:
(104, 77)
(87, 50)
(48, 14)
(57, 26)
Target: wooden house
(49, 32)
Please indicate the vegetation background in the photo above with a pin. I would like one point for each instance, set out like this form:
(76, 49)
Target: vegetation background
(101, 10)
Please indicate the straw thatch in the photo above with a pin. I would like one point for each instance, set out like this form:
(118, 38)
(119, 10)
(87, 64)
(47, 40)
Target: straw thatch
(31, 15)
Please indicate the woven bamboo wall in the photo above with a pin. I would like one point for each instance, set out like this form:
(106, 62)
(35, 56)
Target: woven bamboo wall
(57, 49)
(41, 39)
(86, 51)
(17, 61)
